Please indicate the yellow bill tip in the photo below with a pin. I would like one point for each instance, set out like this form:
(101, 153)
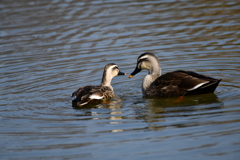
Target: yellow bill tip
(130, 76)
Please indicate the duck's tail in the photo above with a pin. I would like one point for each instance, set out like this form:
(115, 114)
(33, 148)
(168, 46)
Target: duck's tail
(206, 88)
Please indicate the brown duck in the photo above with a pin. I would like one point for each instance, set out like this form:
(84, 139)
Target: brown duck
(176, 83)
(90, 94)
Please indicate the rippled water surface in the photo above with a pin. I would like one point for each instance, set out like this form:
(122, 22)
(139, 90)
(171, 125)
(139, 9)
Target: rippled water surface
(49, 48)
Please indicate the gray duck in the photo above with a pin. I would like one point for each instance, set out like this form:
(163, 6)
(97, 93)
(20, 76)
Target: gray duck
(176, 83)
(95, 94)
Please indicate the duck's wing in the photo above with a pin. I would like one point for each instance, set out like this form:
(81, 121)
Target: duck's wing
(198, 83)
(94, 96)
(91, 94)
(179, 83)
(84, 92)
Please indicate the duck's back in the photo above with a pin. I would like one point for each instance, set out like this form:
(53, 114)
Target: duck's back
(180, 83)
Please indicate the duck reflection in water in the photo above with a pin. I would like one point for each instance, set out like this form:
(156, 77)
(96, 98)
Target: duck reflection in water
(158, 112)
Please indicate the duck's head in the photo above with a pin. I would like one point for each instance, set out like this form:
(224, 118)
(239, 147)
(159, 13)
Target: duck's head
(111, 70)
(147, 61)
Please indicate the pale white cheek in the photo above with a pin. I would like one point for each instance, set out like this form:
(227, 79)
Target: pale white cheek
(115, 73)
(144, 66)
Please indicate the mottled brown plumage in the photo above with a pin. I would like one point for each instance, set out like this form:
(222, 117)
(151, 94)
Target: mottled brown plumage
(177, 83)
(94, 94)
(84, 93)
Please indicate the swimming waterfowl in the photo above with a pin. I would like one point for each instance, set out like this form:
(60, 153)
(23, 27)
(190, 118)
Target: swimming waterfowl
(90, 94)
(176, 83)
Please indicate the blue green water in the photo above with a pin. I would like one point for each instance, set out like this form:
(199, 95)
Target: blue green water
(50, 48)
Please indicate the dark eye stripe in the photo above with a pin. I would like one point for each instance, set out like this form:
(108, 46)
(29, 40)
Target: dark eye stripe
(145, 59)
(114, 68)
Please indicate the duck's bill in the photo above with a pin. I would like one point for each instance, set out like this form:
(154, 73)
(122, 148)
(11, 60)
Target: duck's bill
(121, 73)
(134, 72)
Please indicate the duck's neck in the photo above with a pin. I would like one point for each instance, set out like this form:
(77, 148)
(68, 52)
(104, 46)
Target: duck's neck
(106, 80)
(155, 68)
(153, 73)
(148, 80)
